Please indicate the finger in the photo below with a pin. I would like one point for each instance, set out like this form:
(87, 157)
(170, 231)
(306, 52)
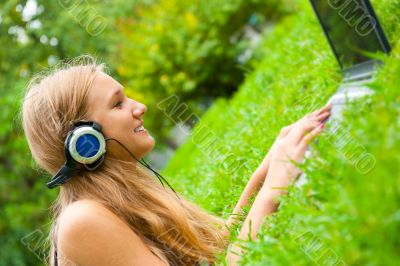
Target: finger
(286, 130)
(320, 117)
(324, 109)
(298, 132)
(320, 114)
(307, 139)
(323, 116)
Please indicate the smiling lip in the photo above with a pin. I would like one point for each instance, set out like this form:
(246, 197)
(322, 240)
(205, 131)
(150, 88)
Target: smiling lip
(140, 124)
(139, 129)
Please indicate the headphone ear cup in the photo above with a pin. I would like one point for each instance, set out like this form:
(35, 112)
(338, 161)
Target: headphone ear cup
(66, 143)
(86, 145)
(96, 164)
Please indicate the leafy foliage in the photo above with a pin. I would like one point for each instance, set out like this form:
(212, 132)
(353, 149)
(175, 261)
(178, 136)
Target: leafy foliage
(58, 30)
(340, 214)
(191, 49)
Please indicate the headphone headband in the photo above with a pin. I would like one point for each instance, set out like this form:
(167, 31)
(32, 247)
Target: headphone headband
(92, 124)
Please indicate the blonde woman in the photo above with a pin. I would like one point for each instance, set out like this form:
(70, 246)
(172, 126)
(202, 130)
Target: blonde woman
(118, 213)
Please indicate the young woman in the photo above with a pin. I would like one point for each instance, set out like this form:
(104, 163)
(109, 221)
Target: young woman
(119, 214)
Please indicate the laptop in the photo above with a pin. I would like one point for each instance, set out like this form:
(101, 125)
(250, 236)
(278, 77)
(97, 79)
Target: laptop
(354, 33)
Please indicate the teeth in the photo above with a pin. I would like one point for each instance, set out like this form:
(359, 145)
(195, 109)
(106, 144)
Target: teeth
(138, 129)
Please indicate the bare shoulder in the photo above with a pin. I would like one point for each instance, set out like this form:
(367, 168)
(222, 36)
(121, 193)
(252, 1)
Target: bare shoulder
(83, 211)
(90, 234)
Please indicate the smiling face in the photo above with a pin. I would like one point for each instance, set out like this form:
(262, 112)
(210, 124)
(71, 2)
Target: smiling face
(119, 116)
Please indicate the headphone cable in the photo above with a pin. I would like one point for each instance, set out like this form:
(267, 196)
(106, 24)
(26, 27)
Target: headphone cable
(145, 164)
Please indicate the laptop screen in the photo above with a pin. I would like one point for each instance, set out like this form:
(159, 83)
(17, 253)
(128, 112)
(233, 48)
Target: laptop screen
(352, 29)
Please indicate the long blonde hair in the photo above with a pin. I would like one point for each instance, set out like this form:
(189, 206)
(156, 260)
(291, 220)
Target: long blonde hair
(177, 231)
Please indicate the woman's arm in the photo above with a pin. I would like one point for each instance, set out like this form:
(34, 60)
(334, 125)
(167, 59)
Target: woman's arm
(264, 205)
(258, 177)
(252, 187)
(290, 145)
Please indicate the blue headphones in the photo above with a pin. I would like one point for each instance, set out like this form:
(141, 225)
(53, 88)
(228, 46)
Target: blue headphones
(85, 146)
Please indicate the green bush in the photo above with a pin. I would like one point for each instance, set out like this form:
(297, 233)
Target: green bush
(189, 48)
(339, 215)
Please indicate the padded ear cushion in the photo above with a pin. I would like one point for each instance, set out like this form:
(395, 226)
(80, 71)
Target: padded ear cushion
(86, 145)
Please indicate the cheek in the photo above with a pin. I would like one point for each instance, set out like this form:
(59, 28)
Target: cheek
(120, 124)
(114, 126)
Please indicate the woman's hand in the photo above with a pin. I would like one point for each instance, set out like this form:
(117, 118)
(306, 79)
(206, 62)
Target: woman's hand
(319, 115)
(291, 145)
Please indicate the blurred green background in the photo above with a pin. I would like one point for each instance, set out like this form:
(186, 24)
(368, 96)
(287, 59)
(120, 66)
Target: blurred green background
(236, 64)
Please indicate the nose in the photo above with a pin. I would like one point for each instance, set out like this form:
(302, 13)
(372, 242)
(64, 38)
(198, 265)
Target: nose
(139, 109)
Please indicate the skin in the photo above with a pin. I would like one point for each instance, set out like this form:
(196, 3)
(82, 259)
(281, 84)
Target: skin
(119, 116)
(90, 234)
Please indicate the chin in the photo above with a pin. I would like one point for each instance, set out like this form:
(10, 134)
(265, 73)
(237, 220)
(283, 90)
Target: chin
(149, 146)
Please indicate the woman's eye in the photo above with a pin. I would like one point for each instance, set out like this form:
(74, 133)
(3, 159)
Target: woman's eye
(118, 104)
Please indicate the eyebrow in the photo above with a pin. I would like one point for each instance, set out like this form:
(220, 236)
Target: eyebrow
(115, 93)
